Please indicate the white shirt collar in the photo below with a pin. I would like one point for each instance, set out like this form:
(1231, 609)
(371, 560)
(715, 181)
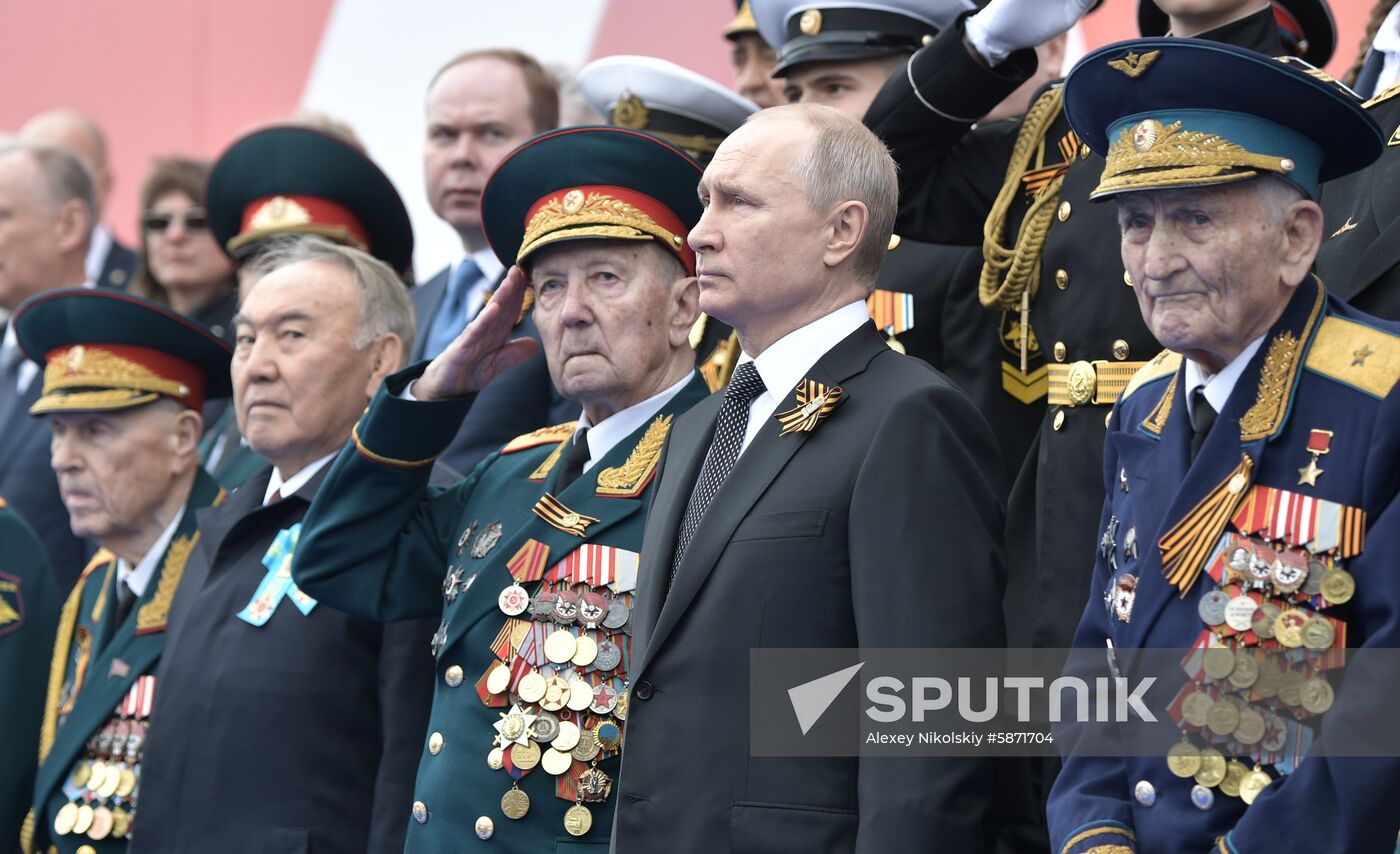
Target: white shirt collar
(290, 485)
(138, 578)
(604, 436)
(1217, 387)
(98, 248)
(491, 270)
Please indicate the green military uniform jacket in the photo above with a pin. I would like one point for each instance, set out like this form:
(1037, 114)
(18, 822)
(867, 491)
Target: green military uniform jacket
(87, 789)
(379, 542)
(29, 603)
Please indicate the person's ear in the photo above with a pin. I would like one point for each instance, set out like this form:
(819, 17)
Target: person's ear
(685, 309)
(1302, 238)
(846, 228)
(386, 355)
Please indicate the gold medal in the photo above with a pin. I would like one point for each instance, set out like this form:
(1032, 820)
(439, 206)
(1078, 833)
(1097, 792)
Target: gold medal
(586, 651)
(1317, 695)
(556, 694)
(525, 756)
(1270, 677)
(1318, 633)
(1184, 759)
(101, 824)
(1290, 689)
(1338, 586)
(1234, 775)
(121, 823)
(1255, 781)
(568, 736)
(578, 820)
(512, 726)
(1218, 662)
(515, 803)
(587, 747)
(1288, 628)
(1251, 727)
(620, 710)
(1246, 670)
(1195, 709)
(84, 820)
(560, 646)
(1224, 718)
(531, 688)
(556, 762)
(110, 782)
(496, 759)
(1212, 769)
(65, 819)
(498, 680)
(127, 783)
(580, 694)
(85, 849)
(81, 774)
(97, 774)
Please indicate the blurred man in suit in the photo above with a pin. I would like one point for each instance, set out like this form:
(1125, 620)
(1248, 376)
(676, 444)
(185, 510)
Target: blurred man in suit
(109, 262)
(481, 106)
(47, 206)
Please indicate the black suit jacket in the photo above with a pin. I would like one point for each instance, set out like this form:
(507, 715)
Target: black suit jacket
(28, 484)
(1360, 256)
(880, 528)
(520, 400)
(301, 735)
(118, 267)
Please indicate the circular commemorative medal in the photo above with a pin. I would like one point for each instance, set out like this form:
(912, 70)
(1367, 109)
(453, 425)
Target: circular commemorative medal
(560, 646)
(1184, 759)
(1275, 733)
(1246, 670)
(587, 747)
(81, 774)
(624, 699)
(1270, 677)
(101, 824)
(515, 803)
(1289, 572)
(1234, 775)
(1251, 728)
(1262, 623)
(618, 614)
(604, 699)
(1195, 709)
(1224, 718)
(1312, 585)
(1239, 613)
(1317, 695)
(556, 762)
(556, 694)
(513, 726)
(566, 607)
(585, 652)
(531, 688)
(97, 775)
(498, 680)
(121, 823)
(127, 783)
(609, 655)
(1318, 633)
(1212, 769)
(513, 600)
(1218, 662)
(1212, 607)
(64, 820)
(1290, 689)
(578, 820)
(580, 694)
(110, 782)
(592, 608)
(1338, 586)
(1255, 782)
(545, 727)
(84, 820)
(568, 736)
(496, 759)
(525, 756)
(1288, 628)
(609, 736)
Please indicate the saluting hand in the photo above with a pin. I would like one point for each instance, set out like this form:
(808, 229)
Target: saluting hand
(484, 350)
(1004, 26)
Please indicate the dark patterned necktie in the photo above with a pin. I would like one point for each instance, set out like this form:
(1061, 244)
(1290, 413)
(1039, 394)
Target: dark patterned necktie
(744, 386)
(574, 460)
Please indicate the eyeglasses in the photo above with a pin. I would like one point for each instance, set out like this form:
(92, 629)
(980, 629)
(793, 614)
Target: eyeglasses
(194, 219)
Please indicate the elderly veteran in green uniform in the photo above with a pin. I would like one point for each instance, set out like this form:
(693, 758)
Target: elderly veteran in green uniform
(124, 383)
(1251, 470)
(693, 113)
(29, 603)
(296, 180)
(532, 560)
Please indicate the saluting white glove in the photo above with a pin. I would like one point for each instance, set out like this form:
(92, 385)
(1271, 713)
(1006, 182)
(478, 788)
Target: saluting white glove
(1004, 26)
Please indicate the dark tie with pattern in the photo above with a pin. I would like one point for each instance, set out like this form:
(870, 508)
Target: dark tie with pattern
(574, 460)
(744, 386)
(1202, 418)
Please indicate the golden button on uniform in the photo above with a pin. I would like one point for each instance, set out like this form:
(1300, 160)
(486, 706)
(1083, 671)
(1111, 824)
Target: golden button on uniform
(1062, 278)
(1065, 209)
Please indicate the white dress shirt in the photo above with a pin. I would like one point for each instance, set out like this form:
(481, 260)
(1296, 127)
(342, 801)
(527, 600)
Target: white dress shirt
(98, 247)
(1387, 44)
(788, 360)
(604, 436)
(1217, 387)
(290, 485)
(138, 577)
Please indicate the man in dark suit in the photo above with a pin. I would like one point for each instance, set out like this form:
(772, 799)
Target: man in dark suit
(839, 442)
(109, 263)
(282, 724)
(43, 241)
(482, 105)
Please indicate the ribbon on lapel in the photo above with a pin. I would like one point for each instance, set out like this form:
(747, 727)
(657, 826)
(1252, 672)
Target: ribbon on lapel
(1186, 545)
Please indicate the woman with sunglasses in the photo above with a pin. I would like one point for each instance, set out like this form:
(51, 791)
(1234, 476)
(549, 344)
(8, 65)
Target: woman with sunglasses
(182, 264)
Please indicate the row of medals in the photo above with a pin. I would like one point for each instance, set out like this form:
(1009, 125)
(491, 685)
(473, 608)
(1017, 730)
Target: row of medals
(544, 702)
(1285, 576)
(108, 775)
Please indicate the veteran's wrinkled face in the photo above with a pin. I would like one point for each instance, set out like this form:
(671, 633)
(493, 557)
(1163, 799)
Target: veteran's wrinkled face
(117, 469)
(614, 318)
(848, 86)
(1213, 268)
(753, 62)
(299, 381)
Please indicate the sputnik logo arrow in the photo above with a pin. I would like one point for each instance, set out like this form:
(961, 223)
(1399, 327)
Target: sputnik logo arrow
(810, 700)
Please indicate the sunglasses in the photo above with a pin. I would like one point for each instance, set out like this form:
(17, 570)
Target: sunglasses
(194, 219)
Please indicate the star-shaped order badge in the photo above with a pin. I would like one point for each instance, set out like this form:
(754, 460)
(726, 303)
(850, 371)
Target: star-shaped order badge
(815, 403)
(514, 726)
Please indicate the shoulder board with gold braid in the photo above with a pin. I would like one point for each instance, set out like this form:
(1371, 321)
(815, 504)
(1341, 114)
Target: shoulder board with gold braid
(1383, 96)
(543, 436)
(1163, 364)
(1361, 356)
(101, 557)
